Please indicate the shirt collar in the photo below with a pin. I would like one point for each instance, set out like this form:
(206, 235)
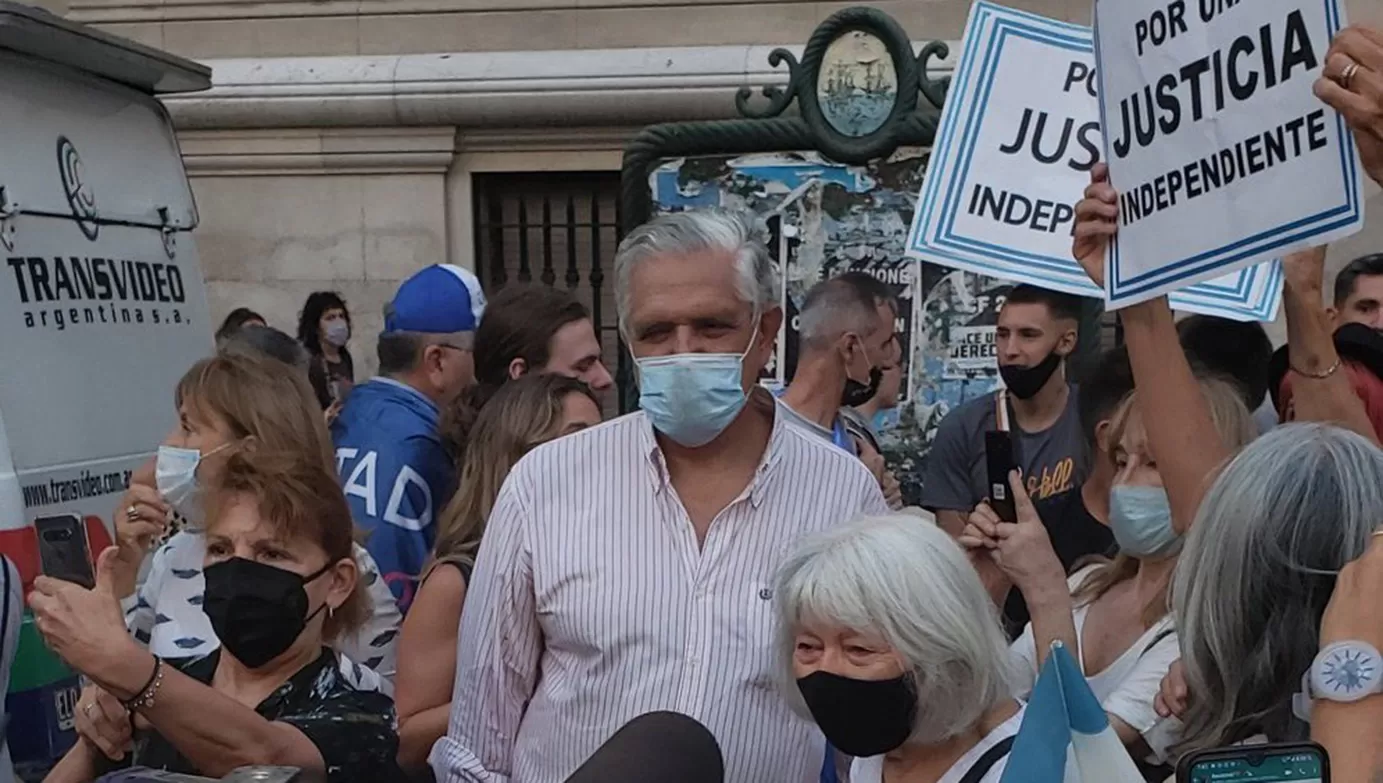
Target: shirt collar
(772, 455)
(407, 388)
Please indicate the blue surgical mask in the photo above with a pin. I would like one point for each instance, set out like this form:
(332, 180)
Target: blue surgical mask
(693, 397)
(1141, 518)
(175, 475)
(338, 333)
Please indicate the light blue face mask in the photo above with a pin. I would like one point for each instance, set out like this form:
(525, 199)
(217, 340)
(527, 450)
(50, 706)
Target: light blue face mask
(693, 397)
(175, 475)
(1141, 518)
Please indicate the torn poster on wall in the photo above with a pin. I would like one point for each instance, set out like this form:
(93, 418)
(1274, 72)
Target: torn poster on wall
(826, 218)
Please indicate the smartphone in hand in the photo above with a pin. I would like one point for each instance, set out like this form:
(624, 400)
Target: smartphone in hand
(62, 549)
(1293, 762)
(999, 462)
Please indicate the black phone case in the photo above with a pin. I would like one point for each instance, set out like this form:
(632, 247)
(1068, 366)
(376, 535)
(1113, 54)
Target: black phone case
(1190, 760)
(62, 549)
(999, 462)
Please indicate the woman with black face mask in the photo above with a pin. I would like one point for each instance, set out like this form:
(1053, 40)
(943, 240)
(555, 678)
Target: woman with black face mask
(889, 642)
(281, 583)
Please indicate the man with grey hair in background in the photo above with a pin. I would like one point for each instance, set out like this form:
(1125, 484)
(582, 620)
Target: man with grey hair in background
(629, 568)
(846, 337)
(395, 472)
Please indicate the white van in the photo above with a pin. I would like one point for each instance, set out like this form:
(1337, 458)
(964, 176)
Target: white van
(102, 303)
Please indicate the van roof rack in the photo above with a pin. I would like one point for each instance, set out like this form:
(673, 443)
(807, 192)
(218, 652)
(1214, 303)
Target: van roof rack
(42, 34)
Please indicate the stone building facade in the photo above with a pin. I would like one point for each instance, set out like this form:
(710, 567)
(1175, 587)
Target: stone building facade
(347, 143)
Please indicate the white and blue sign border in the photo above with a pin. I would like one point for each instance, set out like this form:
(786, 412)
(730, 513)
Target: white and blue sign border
(1253, 293)
(1123, 289)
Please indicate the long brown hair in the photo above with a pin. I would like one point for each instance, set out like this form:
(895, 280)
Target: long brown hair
(524, 413)
(519, 323)
(1236, 429)
(259, 399)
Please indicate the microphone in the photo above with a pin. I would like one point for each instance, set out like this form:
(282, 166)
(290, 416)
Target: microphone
(664, 746)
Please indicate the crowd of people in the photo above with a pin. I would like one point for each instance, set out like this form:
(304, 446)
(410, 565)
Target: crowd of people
(456, 570)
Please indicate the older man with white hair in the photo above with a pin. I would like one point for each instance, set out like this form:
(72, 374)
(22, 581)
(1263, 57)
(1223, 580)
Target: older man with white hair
(628, 568)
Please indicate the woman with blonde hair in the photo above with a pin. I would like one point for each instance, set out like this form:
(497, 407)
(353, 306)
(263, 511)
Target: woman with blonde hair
(522, 415)
(1114, 614)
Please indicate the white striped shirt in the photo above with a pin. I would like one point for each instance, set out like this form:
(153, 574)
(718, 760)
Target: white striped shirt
(592, 604)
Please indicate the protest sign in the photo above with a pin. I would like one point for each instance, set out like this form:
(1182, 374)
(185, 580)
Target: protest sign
(1018, 137)
(1222, 154)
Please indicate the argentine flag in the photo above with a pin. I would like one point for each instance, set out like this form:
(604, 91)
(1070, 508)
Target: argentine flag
(1066, 736)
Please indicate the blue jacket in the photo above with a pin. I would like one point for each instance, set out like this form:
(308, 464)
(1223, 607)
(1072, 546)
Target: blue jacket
(396, 475)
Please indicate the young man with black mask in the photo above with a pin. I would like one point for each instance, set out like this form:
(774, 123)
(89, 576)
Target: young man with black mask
(1036, 333)
(846, 329)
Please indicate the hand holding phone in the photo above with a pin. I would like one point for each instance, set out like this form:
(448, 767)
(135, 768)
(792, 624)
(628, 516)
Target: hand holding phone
(999, 463)
(1294, 762)
(63, 552)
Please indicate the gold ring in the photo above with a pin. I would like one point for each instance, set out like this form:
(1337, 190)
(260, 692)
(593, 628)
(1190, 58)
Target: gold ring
(1347, 75)
(87, 709)
(1378, 532)
(131, 512)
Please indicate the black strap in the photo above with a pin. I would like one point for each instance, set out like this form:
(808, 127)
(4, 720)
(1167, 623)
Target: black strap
(1162, 634)
(5, 600)
(859, 430)
(464, 563)
(988, 760)
(5, 624)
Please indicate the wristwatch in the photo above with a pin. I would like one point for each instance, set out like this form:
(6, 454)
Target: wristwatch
(1346, 672)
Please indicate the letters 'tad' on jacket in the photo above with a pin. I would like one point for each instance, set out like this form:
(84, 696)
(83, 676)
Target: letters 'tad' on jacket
(396, 475)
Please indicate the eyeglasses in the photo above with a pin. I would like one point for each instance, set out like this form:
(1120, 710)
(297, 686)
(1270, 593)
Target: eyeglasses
(453, 347)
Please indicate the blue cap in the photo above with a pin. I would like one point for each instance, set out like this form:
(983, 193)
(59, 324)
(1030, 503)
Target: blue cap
(441, 299)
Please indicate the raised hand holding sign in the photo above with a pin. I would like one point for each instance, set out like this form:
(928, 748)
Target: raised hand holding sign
(1211, 118)
(1097, 221)
(1352, 84)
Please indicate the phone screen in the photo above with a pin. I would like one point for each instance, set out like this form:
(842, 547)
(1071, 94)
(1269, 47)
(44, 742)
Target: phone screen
(62, 549)
(1291, 767)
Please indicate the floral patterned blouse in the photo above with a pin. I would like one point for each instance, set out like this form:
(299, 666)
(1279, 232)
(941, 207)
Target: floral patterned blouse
(352, 729)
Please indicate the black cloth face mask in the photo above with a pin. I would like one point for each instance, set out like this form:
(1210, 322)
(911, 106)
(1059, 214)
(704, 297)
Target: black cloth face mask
(257, 610)
(857, 393)
(1025, 382)
(861, 718)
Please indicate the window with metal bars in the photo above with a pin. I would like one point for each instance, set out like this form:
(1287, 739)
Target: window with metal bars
(556, 228)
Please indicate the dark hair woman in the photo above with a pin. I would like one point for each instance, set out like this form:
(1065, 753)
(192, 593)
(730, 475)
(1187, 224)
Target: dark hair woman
(324, 329)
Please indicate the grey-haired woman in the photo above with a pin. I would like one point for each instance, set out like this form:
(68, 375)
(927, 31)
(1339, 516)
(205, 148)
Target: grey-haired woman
(889, 642)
